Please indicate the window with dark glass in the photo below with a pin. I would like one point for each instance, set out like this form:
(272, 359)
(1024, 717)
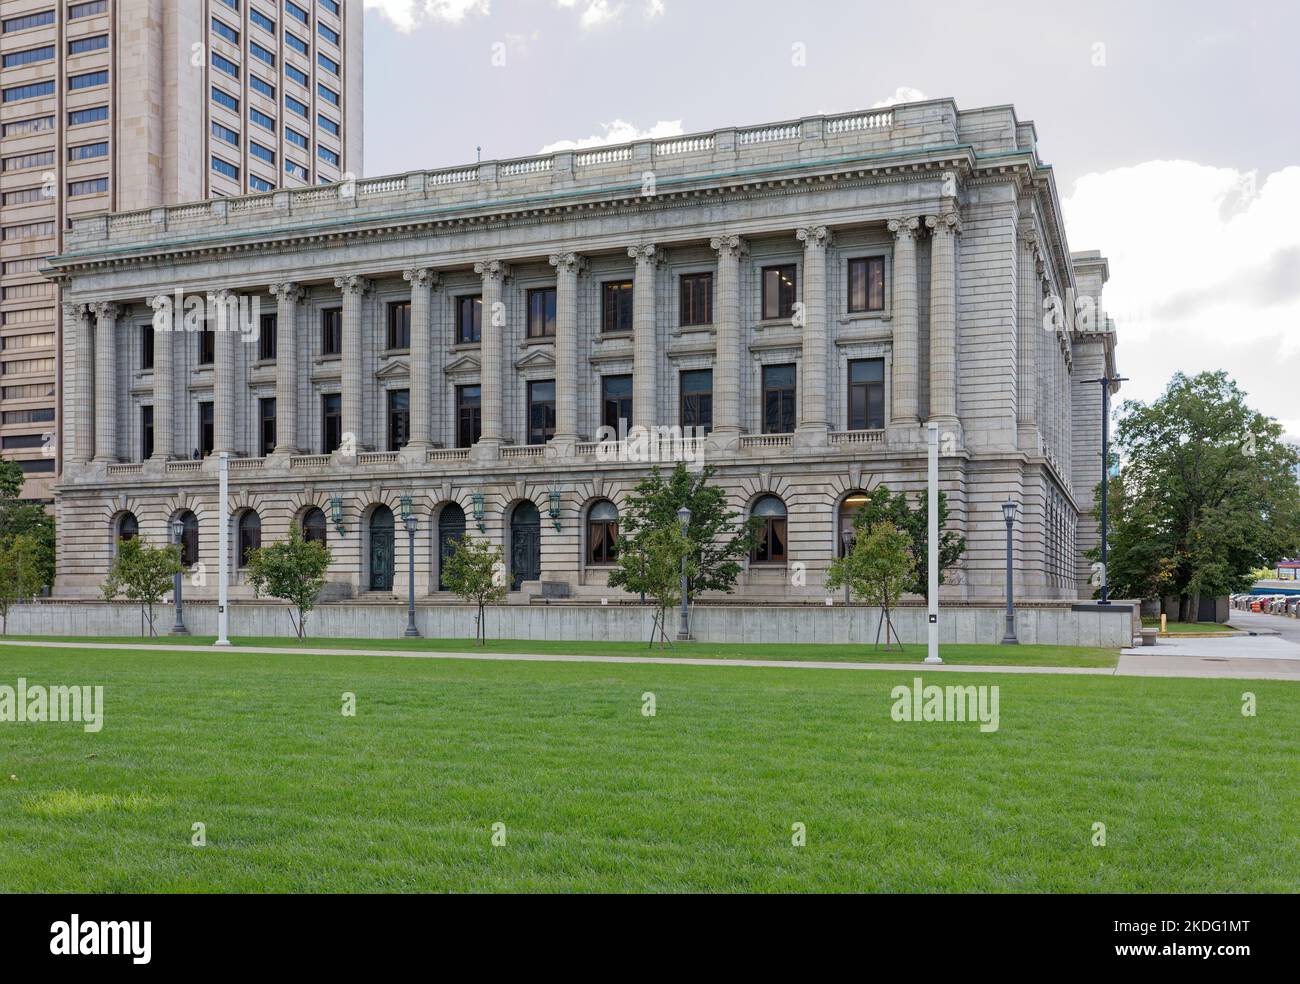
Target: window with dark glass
(697, 399)
(541, 312)
(541, 411)
(778, 399)
(399, 419)
(616, 306)
(331, 331)
(867, 284)
(249, 534)
(399, 325)
(696, 299)
(778, 291)
(602, 533)
(267, 329)
(207, 434)
(313, 525)
(469, 415)
(331, 413)
(128, 527)
(189, 538)
(853, 502)
(616, 401)
(770, 545)
(146, 346)
(266, 425)
(469, 319)
(866, 394)
(146, 432)
(207, 346)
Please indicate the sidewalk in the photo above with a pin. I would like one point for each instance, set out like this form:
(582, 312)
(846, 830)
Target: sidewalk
(1259, 657)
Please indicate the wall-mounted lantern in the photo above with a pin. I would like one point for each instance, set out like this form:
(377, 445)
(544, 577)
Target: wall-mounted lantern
(336, 513)
(554, 510)
(405, 507)
(477, 499)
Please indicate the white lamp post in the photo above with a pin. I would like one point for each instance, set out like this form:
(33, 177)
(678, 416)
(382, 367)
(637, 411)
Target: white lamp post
(932, 589)
(223, 548)
(684, 631)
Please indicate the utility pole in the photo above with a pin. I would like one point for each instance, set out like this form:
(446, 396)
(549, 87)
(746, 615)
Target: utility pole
(1106, 383)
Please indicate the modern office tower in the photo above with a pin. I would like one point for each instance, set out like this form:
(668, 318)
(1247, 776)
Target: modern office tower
(114, 105)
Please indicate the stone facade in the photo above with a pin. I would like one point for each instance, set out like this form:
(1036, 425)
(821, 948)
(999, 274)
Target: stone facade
(918, 245)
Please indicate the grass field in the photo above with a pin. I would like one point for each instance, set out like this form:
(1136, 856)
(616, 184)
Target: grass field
(1178, 628)
(595, 796)
(971, 655)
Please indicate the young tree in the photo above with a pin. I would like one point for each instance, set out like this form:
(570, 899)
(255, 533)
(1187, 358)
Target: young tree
(651, 564)
(880, 566)
(20, 574)
(19, 518)
(475, 572)
(719, 541)
(293, 571)
(1207, 493)
(882, 506)
(142, 574)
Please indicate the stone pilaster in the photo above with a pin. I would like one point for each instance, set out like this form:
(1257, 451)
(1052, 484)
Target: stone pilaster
(164, 347)
(567, 267)
(222, 311)
(288, 296)
(422, 281)
(491, 357)
(943, 319)
(726, 323)
(353, 398)
(82, 393)
(106, 381)
(645, 340)
(814, 416)
(905, 377)
(1028, 327)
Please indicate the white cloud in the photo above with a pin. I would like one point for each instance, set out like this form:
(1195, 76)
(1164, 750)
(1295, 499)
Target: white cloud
(598, 12)
(903, 94)
(1205, 274)
(620, 131)
(407, 15)
(653, 9)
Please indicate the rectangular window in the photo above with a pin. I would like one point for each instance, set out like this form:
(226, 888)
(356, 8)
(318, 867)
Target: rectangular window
(778, 291)
(225, 167)
(327, 124)
(331, 331)
(28, 230)
(223, 64)
(399, 325)
(22, 128)
(297, 74)
(265, 425)
(867, 394)
(327, 155)
(327, 63)
(331, 5)
(293, 10)
(146, 346)
(867, 284)
(331, 411)
(80, 46)
(296, 105)
(327, 32)
(469, 415)
(267, 329)
(222, 29)
(261, 85)
(28, 21)
(297, 170)
(296, 138)
(261, 20)
(146, 432)
(35, 90)
(43, 158)
(259, 184)
(95, 114)
(207, 342)
(778, 399)
(326, 93)
(87, 80)
(225, 133)
(23, 196)
(616, 402)
(39, 415)
(260, 152)
(31, 56)
(696, 299)
(78, 10)
(616, 306)
(86, 152)
(223, 98)
(541, 411)
(541, 313)
(296, 43)
(261, 119)
(207, 430)
(262, 54)
(23, 441)
(697, 399)
(399, 419)
(469, 319)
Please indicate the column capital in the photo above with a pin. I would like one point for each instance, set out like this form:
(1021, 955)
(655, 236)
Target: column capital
(948, 222)
(421, 277)
(727, 245)
(494, 269)
(160, 302)
(906, 226)
(221, 296)
(815, 236)
(568, 262)
(352, 285)
(648, 253)
(106, 310)
(288, 291)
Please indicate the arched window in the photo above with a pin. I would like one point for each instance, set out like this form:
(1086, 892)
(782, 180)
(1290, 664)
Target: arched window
(451, 527)
(770, 547)
(848, 513)
(525, 545)
(381, 549)
(249, 535)
(189, 538)
(602, 533)
(128, 527)
(313, 525)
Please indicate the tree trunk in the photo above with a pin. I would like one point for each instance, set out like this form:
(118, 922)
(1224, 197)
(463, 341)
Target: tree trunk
(1182, 608)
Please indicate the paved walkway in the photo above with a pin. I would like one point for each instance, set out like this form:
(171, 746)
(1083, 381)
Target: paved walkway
(1257, 657)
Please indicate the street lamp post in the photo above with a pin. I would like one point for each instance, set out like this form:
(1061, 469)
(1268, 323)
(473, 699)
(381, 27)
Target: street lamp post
(1106, 383)
(846, 538)
(411, 523)
(178, 534)
(1009, 637)
(684, 521)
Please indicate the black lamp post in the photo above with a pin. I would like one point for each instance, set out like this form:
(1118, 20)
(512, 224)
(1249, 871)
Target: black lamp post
(1009, 637)
(178, 534)
(408, 518)
(684, 521)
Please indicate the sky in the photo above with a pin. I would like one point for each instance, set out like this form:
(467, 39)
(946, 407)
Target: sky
(1173, 127)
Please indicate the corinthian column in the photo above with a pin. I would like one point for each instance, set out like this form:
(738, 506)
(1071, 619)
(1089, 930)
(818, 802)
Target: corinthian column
(422, 281)
(225, 331)
(106, 382)
(726, 321)
(354, 424)
(164, 421)
(814, 418)
(287, 298)
(493, 273)
(906, 375)
(567, 267)
(645, 342)
(82, 391)
(1028, 326)
(943, 318)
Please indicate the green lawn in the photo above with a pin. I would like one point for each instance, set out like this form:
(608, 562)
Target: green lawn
(972, 655)
(596, 796)
(1177, 628)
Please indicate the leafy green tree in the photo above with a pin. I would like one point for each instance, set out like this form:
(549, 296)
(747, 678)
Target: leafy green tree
(884, 507)
(11, 479)
(19, 518)
(651, 564)
(878, 568)
(719, 539)
(142, 574)
(21, 576)
(475, 571)
(293, 571)
(1206, 494)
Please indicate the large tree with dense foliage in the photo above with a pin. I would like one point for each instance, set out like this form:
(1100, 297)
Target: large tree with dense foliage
(882, 506)
(26, 519)
(1206, 493)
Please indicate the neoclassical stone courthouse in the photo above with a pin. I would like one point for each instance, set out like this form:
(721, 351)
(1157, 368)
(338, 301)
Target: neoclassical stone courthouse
(799, 298)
